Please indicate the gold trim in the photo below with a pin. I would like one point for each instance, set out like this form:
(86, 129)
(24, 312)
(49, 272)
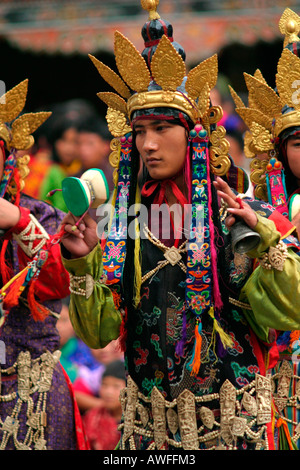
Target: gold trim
(167, 66)
(159, 98)
(34, 377)
(192, 418)
(287, 120)
(131, 64)
(219, 159)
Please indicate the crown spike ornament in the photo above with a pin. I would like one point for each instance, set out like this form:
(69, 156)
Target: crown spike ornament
(151, 6)
(15, 132)
(156, 78)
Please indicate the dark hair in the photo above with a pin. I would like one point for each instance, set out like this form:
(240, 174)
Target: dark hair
(95, 125)
(128, 280)
(115, 369)
(65, 116)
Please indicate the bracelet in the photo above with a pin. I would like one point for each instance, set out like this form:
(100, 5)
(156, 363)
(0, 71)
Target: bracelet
(77, 281)
(275, 258)
(32, 238)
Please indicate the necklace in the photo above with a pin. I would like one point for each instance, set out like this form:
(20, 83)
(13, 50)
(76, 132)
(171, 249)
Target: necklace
(172, 255)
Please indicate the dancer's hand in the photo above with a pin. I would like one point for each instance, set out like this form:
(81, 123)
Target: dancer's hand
(83, 239)
(236, 207)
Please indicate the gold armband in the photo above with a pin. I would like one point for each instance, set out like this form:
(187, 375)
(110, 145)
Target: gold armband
(275, 258)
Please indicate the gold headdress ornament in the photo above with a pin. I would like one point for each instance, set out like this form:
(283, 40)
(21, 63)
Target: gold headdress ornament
(269, 112)
(168, 71)
(16, 130)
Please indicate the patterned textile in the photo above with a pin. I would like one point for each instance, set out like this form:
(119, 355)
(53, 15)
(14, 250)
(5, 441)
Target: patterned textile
(154, 330)
(228, 404)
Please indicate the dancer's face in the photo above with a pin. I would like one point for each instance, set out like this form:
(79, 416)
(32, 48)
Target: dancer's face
(293, 155)
(162, 147)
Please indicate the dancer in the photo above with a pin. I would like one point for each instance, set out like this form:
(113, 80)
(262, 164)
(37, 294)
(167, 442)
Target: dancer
(187, 309)
(37, 409)
(272, 142)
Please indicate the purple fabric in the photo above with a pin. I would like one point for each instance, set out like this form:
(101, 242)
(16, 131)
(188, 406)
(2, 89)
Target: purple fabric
(21, 333)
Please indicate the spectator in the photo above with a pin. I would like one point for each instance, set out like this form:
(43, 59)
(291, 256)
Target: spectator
(101, 422)
(74, 353)
(63, 138)
(86, 385)
(94, 146)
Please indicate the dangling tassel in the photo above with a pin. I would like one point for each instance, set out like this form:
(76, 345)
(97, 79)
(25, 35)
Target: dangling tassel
(187, 171)
(11, 298)
(123, 332)
(6, 270)
(37, 310)
(18, 187)
(285, 440)
(180, 345)
(116, 299)
(8, 170)
(275, 180)
(194, 364)
(137, 258)
(226, 340)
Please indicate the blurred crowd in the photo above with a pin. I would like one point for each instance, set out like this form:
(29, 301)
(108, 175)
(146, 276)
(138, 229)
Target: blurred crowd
(74, 139)
(98, 376)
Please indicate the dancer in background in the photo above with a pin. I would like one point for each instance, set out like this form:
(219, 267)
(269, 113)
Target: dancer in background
(37, 408)
(273, 144)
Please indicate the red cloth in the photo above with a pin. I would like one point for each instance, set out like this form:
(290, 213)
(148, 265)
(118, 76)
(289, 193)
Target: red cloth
(53, 280)
(101, 429)
(283, 225)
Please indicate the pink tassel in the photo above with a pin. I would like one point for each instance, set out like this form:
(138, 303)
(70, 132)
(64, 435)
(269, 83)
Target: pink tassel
(188, 172)
(218, 304)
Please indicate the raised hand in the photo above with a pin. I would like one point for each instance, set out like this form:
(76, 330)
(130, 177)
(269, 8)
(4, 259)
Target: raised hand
(236, 207)
(80, 241)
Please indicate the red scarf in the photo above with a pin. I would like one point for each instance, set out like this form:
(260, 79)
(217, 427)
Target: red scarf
(150, 187)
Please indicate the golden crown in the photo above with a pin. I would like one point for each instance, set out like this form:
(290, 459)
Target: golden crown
(168, 71)
(16, 131)
(264, 115)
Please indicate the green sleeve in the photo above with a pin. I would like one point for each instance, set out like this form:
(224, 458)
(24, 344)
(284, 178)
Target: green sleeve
(94, 316)
(273, 296)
